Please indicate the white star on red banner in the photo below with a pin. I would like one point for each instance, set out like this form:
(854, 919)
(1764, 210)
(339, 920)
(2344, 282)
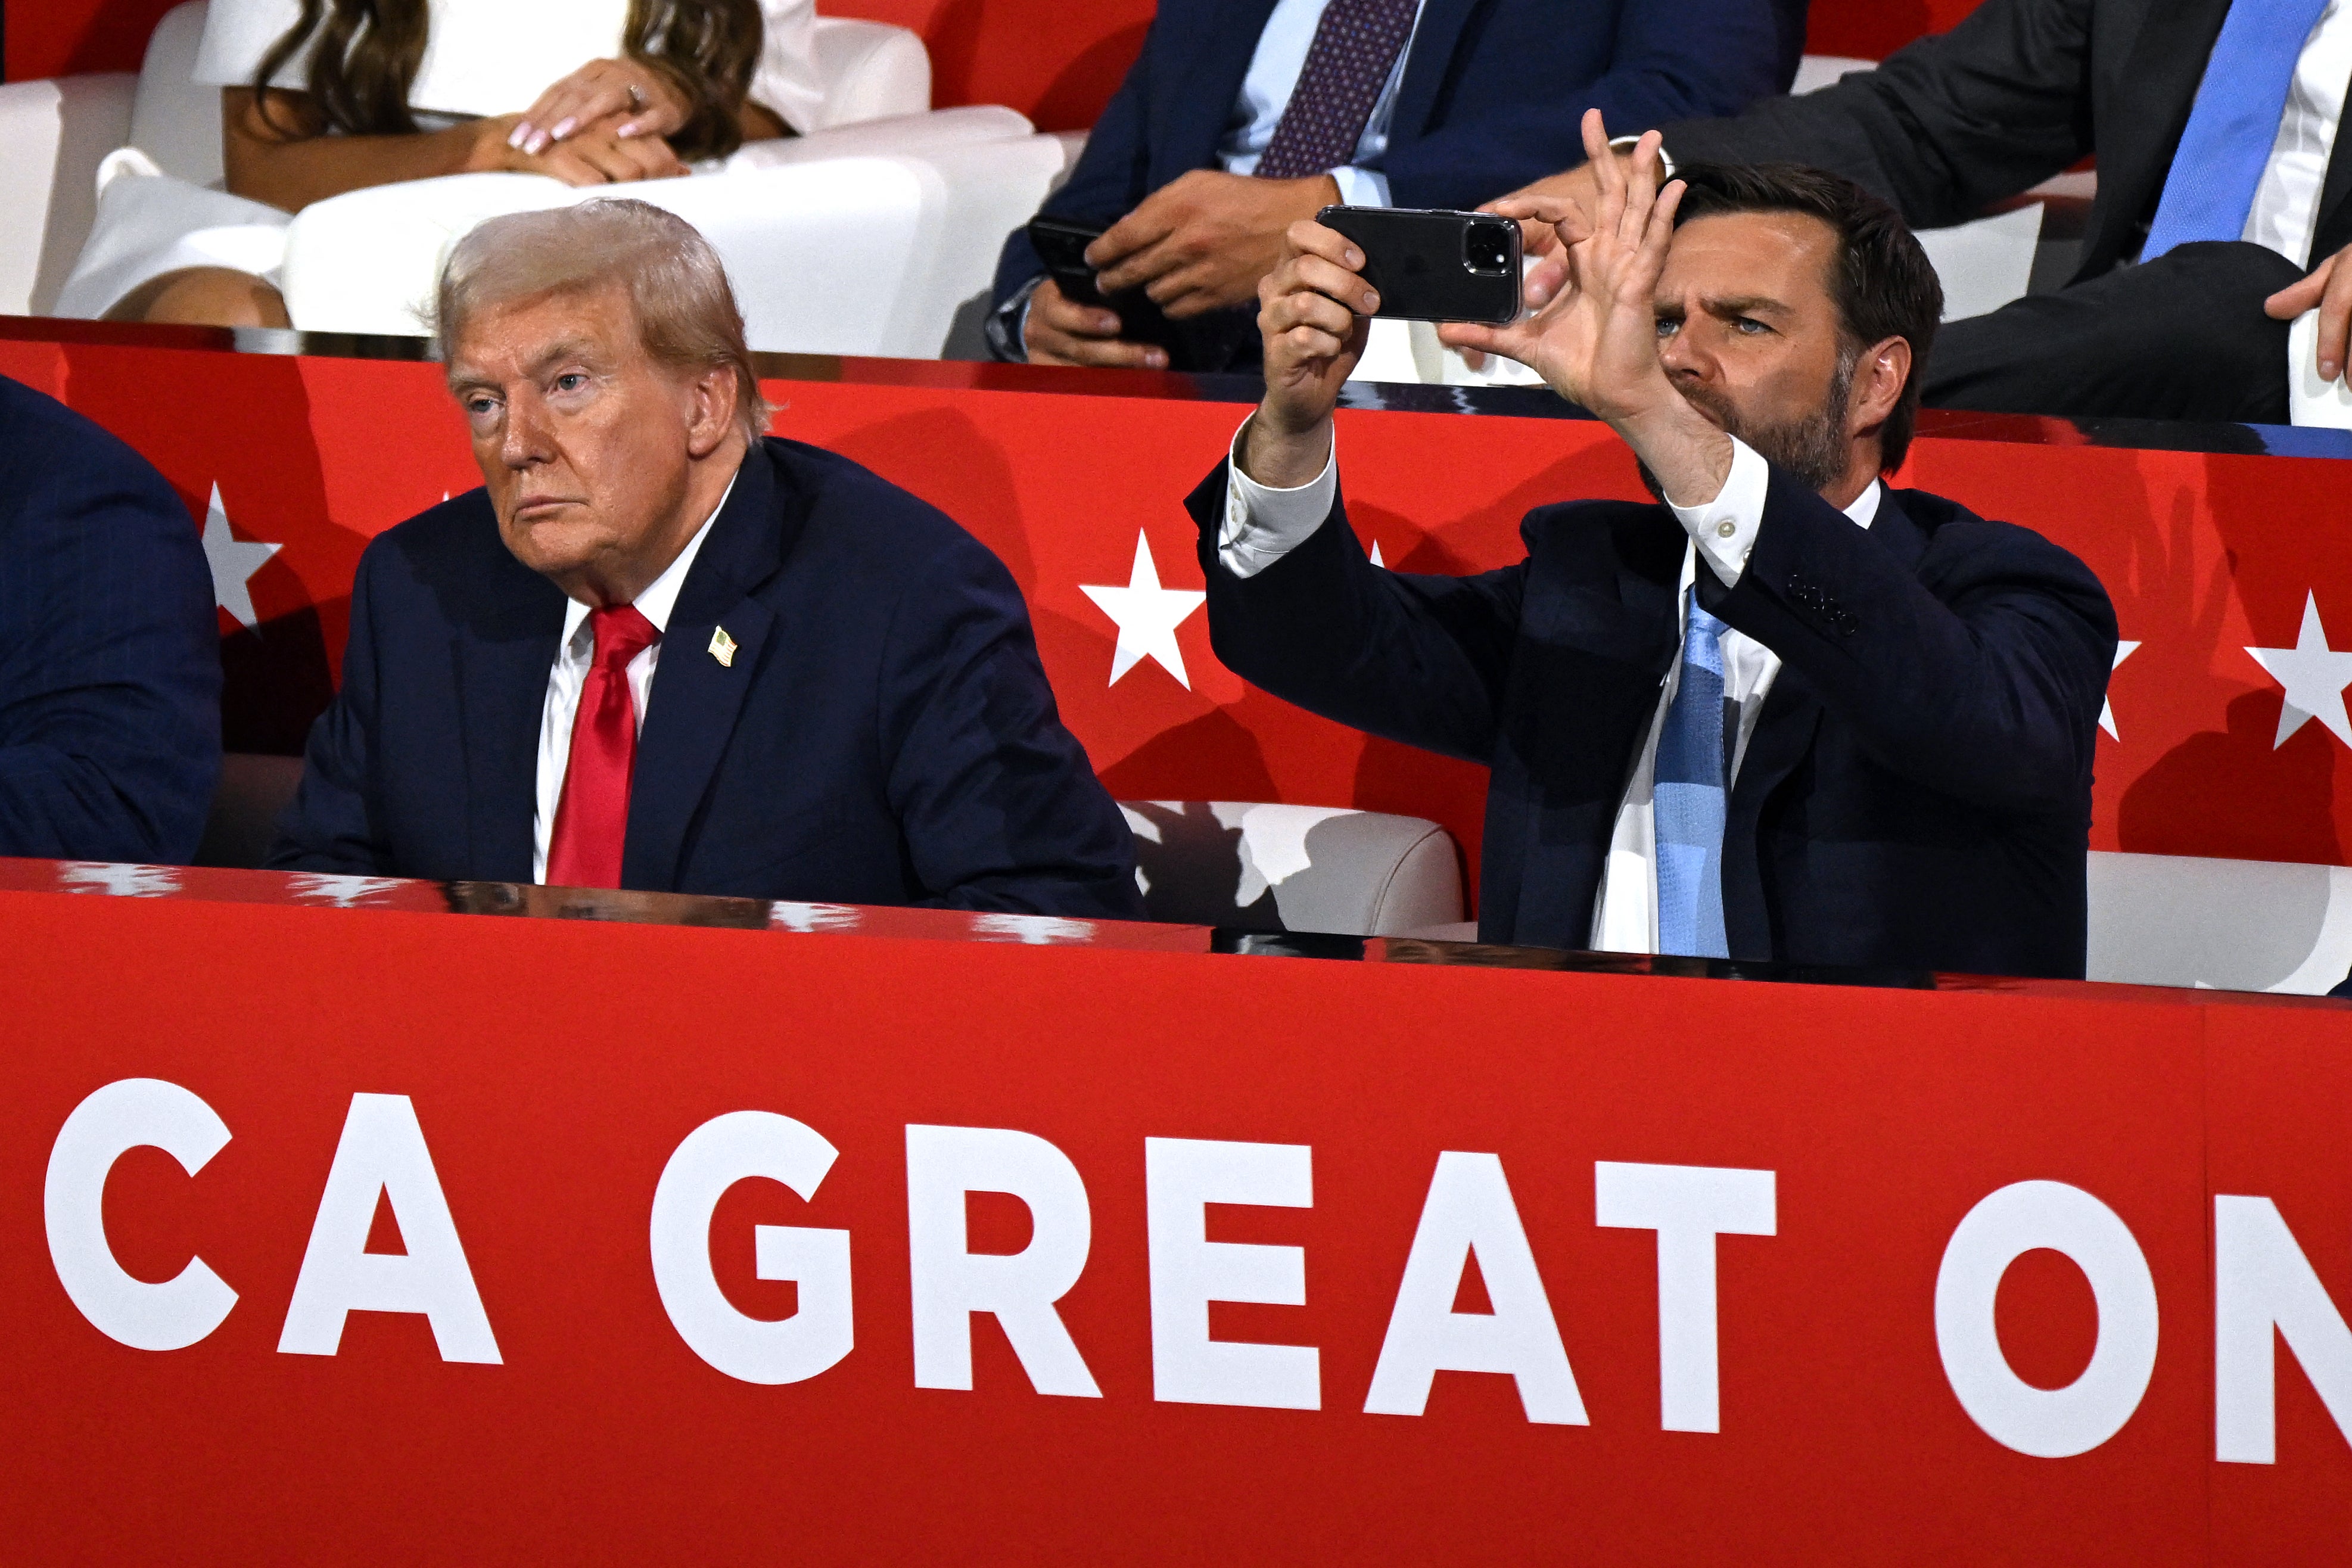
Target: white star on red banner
(1147, 616)
(2124, 650)
(2315, 676)
(234, 561)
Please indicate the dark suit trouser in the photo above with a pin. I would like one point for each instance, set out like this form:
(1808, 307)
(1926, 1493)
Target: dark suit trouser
(2181, 337)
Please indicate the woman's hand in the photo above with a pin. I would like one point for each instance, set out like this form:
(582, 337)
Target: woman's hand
(597, 155)
(630, 98)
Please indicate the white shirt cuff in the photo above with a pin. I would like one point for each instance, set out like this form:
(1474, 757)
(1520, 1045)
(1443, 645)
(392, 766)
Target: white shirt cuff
(1362, 187)
(1725, 528)
(1264, 524)
(1625, 144)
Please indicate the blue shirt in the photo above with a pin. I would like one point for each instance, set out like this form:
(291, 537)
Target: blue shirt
(1272, 75)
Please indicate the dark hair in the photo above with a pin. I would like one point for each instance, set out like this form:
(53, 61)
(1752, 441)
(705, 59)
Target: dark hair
(1883, 283)
(366, 53)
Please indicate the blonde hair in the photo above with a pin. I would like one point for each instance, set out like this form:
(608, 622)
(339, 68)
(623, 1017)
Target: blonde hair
(686, 316)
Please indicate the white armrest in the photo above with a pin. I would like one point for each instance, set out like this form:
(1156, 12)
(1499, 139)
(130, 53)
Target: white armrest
(985, 190)
(57, 132)
(902, 135)
(870, 70)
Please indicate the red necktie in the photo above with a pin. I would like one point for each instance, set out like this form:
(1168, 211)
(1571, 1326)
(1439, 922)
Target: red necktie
(592, 820)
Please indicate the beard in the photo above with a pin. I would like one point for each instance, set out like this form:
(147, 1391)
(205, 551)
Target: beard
(1815, 447)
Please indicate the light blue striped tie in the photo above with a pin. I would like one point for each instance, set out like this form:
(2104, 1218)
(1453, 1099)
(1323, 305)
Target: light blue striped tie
(2230, 131)
(1689, 795)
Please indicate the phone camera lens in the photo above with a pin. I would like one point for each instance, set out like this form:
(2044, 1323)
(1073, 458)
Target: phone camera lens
(1486, 248)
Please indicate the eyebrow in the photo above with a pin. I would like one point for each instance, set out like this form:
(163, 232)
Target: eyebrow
(462, 377)
(1745, 305)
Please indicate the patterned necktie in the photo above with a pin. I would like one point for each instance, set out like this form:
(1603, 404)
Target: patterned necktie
(1689, 796)
(1356, 45)
(2227, 144)
(591, 819)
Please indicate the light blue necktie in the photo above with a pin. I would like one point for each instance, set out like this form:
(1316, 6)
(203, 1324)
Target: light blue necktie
(2227, 141)
(1689, 795)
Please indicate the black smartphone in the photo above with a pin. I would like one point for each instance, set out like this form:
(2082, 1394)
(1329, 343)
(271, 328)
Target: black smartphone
(1062, 244)
(1435, 265)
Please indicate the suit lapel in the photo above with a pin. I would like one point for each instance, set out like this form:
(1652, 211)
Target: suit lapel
(1201, 98)
(1781, 740)
(2333, 231)
(1425, 67)
(2152, 100)
(502, 663)
(695, 699)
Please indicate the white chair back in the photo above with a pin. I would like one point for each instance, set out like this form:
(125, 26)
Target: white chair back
(175, 121)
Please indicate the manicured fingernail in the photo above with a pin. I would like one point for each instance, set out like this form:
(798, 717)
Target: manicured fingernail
(537, 145)
(566, 127)
(626, 131)
(521, 134)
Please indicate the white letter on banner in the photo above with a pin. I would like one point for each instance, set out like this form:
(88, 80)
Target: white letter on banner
(2262, 1283)
(2050, 1424)
(1181, 1176)
(1469, 1209)
(1688, 1207)
(714, 1157)
(383, 1151)
(135, 1113)
(948, 1283)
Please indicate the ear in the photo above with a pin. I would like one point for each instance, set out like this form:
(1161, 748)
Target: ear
(710, 410)
(1878, 381)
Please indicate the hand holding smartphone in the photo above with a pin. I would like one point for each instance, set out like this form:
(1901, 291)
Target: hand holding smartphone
(1061, 244)
(1435, 265)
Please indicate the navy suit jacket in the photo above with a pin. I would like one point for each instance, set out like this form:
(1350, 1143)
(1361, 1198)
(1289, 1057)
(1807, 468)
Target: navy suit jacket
(109, 649)
(1916, 792)
(884, 735)
(1493, 94)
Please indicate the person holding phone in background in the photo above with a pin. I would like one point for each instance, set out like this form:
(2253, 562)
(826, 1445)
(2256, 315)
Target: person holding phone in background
(1242, 118)
(1787, 713)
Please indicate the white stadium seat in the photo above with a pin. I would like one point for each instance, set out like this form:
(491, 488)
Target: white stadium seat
(899, 232)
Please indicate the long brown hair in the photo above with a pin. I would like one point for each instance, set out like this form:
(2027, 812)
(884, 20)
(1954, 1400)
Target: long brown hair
(367, 51)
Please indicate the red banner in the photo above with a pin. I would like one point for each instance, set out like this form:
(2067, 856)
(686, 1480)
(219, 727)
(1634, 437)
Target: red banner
(364, 1236)
(2207, 558)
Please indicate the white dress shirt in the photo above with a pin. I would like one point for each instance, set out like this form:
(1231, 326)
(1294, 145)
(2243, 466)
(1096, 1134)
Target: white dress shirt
(1263, 524)
(2286, 214)
(1272, 75)
(574, 655)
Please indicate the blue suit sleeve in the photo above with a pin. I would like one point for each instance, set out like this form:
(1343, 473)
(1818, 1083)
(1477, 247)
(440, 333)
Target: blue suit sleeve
(1111, 178)
(998, 805)
(329, 826)
(1672, 60)
(109, 700)
(1421, 660)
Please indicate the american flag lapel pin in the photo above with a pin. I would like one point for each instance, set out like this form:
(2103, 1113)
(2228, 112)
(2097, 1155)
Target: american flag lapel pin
(722, 648)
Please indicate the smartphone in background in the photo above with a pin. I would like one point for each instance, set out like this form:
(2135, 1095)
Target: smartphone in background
(1435, 265)
(1061, 244)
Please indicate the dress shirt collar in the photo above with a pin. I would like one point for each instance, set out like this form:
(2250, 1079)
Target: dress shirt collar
(1865, 509)
(660, 596)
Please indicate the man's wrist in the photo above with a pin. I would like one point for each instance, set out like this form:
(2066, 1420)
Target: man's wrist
(1283, 459)
(1688, 454)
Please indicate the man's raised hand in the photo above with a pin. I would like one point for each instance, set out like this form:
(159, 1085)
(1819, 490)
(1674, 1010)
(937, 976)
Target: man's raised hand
(1596, 342)
(1312, 313)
